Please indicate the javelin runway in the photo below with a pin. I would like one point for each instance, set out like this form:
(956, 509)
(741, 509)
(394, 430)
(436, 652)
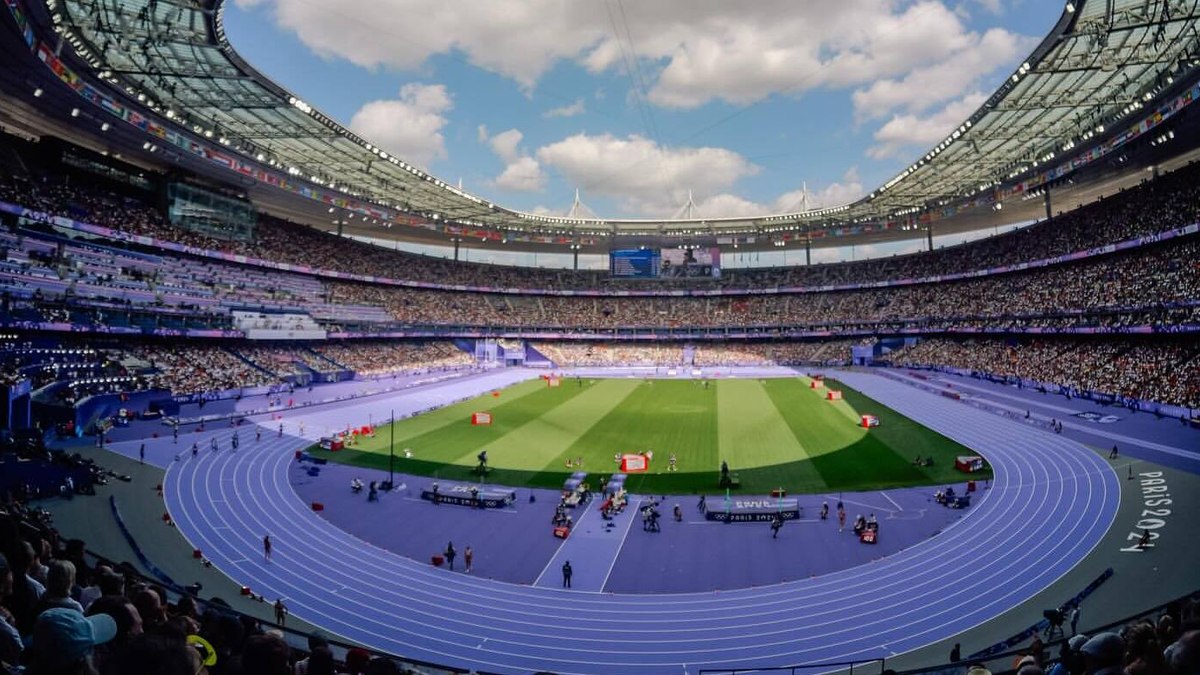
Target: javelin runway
(1050, 503)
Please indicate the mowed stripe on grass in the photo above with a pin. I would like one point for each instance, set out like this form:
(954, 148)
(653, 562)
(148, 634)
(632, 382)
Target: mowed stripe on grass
(773, 433)
(819, 425)
(664, 416)
(543, 443)
(909, 439)
(426, 423)
(851, 456)
(752, 433)
(452, 436)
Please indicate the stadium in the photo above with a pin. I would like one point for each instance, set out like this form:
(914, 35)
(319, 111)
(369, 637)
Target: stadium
(268, 409)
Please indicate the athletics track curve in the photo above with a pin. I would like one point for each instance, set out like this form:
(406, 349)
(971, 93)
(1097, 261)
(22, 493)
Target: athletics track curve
(1050, 503)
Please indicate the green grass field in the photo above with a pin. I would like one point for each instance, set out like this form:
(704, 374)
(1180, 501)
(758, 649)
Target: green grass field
(773, 433)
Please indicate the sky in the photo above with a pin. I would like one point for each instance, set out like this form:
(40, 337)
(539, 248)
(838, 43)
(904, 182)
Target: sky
(746, 106)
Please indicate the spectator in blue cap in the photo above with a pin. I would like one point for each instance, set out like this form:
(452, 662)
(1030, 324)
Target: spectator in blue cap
(1104, 654)
(63, 641)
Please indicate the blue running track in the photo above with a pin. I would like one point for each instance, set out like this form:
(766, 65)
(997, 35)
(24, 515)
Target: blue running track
(1050, 503)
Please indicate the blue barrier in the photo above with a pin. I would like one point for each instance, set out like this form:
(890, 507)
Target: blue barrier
(1044, 624)
(137, 550)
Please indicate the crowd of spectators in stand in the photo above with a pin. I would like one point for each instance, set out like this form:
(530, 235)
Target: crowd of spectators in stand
(193, 368)
(280, 361)
(196, 369)
(22, 359)
(96, 287)
(610, 354)
(62, 614)
(774, 354)
(82, 371)
(1167, 202)
(1147, 279)
(378, 358)
(1162, 371)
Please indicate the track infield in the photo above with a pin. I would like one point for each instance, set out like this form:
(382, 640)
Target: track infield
(776, 432)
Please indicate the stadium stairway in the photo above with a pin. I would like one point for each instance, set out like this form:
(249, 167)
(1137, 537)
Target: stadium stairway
(535, 358)
(251, 362)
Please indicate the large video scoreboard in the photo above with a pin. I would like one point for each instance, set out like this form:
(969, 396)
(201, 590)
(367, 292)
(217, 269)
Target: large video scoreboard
(634, 263)
(666, 263)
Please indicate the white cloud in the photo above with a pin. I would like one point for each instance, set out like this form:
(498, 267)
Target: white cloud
(848, 189)
(642, 175)
(688, 52)
(648, 179)
(521, 173)
(726, 205)
(924, 87)
(764, 48)
(504, 144)
(910, 130)
(571, 110)
(518, 40)
(908, 62)
(840, 192)
(409, 127)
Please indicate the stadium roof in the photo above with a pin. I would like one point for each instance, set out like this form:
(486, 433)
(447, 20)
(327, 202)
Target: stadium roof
(1105, 67)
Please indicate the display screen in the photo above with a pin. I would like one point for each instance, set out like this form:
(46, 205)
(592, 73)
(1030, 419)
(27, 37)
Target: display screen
(690, 263)
(634, 263)
(666, 263)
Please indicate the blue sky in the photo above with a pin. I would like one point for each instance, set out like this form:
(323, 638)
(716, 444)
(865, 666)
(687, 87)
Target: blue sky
(637, 104)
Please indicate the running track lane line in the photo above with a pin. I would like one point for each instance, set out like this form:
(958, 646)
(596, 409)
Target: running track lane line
(413, 610)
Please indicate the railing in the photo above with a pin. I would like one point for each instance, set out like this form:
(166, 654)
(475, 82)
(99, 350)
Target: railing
(867, 667)
(1005, 662)
(999, 664)
(297, 639)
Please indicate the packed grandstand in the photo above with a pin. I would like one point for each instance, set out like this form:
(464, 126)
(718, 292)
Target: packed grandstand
(114, 316)
(1147, 284)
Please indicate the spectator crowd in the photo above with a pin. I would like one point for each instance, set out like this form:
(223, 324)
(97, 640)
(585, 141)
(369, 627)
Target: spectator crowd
(381, 358)
(63, 612)
(1155, 206)
(1167, 372)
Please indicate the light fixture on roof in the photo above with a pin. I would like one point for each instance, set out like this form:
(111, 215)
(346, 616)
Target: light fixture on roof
(1070, 8)
(104, 126)
(74, 112)
(37, 93)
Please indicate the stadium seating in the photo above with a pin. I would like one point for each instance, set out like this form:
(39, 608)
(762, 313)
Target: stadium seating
(1168, 202)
